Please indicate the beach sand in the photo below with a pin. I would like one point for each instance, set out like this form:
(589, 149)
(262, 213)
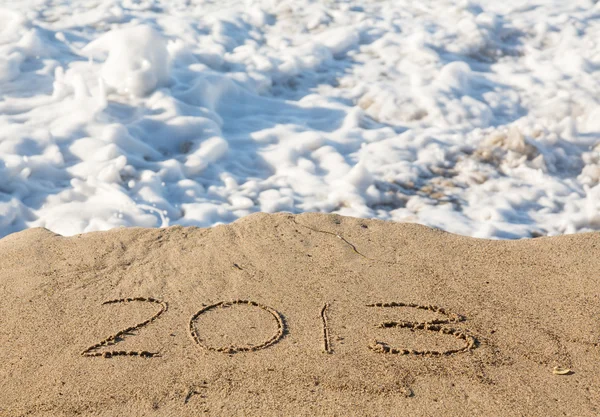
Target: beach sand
(315, 315)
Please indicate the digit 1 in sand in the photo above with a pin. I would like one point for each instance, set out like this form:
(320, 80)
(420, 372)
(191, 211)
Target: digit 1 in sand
(326, 338)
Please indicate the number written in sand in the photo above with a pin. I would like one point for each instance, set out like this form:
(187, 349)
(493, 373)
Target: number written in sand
(437, 325)
(441, 326)
(278, 318)
(93, 351)
(120, 335)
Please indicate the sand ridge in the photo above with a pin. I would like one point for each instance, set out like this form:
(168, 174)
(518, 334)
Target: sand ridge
(298, 315)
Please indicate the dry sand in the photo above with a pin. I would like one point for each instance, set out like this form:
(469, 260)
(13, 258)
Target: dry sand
(237, 316)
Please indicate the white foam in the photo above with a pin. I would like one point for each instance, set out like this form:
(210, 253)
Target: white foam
(137, 61)
(339, 40)
(481, 118)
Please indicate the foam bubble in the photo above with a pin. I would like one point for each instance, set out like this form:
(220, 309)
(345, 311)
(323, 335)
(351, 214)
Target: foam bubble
(137, 61)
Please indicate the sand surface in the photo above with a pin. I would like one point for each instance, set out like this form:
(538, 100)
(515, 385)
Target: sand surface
(282, 315)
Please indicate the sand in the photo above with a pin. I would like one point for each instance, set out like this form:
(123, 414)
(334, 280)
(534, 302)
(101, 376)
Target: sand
(298, 315)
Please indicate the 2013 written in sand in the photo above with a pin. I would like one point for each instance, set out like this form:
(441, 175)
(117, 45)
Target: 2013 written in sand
(440, 326)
